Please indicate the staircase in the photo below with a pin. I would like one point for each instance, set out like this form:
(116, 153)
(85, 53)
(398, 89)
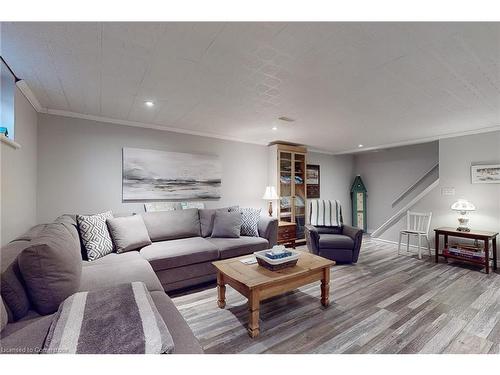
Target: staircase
(396, 217)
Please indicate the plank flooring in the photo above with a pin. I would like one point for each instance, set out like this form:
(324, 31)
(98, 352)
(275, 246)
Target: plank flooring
(383, 304)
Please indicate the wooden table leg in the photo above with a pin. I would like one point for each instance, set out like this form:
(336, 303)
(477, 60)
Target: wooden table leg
(253, 312)
(487, 255)
(221, 290)
(436, 240)
(325, 287)
(494, 244)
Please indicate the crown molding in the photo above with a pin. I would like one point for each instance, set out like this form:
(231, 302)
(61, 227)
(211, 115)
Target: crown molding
(30, 96)
(114, 121)
(421, 140)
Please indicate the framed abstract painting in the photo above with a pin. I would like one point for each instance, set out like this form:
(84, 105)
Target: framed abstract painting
(161, 175)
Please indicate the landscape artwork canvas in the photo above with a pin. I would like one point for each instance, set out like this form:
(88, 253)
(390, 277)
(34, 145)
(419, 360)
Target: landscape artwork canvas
(485, 174)
(161, 175)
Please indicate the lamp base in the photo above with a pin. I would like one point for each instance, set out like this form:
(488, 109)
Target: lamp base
(463, 224)
(270, 208)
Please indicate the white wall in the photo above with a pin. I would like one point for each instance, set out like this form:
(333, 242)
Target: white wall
(336, 176)
(19, 174)
(455, 157)
(388, 173)
(80, 165)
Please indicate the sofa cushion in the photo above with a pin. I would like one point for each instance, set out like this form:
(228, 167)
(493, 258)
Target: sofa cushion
(207, 216)
(335, 241)
(14, 293)
(70, 222)
(12, 287)
(114, 258)
(176, 253)
(4, 318)
(95, 235)
(235, 247)
(106, 275)
(227, 224)
(51, 267)
(128, 233)
(184, 340)
(25, 336)
(169, 225)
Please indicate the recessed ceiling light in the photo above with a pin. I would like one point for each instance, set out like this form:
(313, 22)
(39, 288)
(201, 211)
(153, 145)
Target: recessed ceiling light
(149, 103)
(275, 128)
(360, 146)
(286, 119)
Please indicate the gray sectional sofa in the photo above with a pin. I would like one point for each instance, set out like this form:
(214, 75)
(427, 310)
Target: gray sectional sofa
(179, 256)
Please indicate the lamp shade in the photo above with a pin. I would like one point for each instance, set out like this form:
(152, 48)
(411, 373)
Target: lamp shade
(270, 193)
(463, 205)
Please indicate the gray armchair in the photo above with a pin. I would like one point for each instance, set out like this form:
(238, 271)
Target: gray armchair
(341, 244)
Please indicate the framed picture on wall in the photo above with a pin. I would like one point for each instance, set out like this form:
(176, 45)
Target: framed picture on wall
(312, 181)
(485, 174)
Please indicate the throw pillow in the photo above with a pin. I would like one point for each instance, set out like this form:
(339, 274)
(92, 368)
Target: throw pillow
(227, 224)
(207, 216)
(250, 222)
(4, 318)
(51, 268)
(95, 235)
(128, 233)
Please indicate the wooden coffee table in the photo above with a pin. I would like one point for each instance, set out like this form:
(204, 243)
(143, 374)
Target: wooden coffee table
(257, 283)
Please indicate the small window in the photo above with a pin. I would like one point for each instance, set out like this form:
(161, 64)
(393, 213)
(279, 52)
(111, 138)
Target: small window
(7, 93)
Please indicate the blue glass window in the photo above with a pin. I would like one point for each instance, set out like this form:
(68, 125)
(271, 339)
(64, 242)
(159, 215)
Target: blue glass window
(7, 92)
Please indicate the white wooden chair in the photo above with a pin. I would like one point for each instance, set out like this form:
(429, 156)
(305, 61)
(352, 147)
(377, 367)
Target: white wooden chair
(417, 224)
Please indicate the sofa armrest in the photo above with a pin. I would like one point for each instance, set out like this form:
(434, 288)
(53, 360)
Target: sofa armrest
(312, 238)
(268, 229)
(357, 236)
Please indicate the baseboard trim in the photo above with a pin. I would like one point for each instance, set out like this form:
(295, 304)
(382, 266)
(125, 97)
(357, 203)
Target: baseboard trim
(403, 244)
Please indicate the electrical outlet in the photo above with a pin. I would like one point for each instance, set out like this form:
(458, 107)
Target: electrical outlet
(448, 191)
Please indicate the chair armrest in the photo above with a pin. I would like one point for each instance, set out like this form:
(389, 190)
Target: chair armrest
(268, 229)
(357, 236)
(312, 238)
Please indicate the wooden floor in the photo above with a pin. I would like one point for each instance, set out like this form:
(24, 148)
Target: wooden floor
(384, 304)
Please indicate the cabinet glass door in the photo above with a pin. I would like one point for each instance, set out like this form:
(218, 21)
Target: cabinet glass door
(299, 193)
(285, 175)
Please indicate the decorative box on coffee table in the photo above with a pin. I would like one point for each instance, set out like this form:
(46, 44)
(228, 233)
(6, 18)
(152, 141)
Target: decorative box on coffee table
(287, 259)
(258, 284)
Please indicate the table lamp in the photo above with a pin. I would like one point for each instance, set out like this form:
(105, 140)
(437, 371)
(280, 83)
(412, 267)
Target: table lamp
(270, 195)
(463, 206)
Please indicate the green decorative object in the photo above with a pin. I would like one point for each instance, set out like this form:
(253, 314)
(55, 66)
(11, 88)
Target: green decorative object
(358, 198)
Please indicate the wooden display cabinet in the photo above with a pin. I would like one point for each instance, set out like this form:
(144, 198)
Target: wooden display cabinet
(290, 176)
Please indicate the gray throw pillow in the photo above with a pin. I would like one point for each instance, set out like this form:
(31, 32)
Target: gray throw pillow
(128, 233)
(4, 317)
(95, 235)
(51, 268)
(250, 222)
(227, 224)
(207, 216)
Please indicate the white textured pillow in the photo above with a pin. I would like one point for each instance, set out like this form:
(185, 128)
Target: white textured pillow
(4, 318)
(250, 222)
(95, 235)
